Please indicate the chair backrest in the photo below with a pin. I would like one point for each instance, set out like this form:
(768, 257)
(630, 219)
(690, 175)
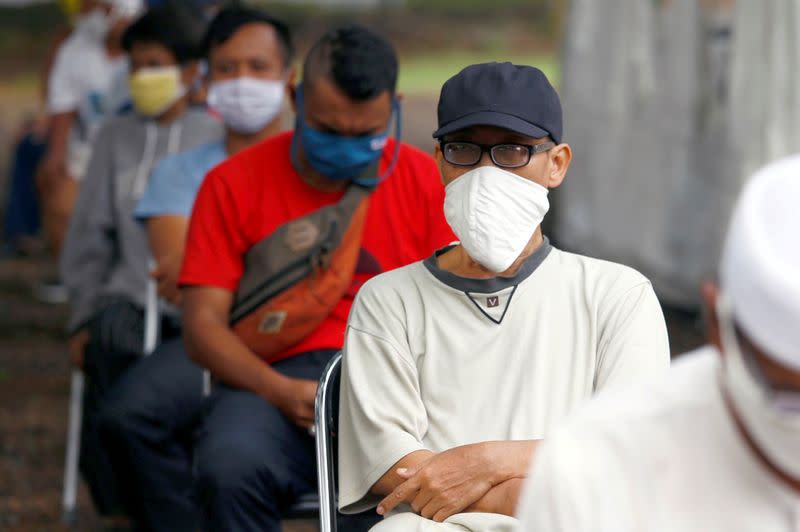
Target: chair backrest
(326, 428)
(326, 424)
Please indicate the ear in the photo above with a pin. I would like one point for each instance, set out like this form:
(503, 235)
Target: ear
(438, 156)
(710, 294)
(291, 77)
(292, 88)
(560, 157)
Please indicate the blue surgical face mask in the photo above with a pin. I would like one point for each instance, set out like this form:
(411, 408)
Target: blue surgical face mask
(341, 158)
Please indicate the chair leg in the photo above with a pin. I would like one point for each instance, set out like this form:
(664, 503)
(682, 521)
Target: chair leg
(152, 316)
(70, 515)
(206, 383)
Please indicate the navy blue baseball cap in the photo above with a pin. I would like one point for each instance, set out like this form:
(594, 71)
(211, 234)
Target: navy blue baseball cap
(514, 97)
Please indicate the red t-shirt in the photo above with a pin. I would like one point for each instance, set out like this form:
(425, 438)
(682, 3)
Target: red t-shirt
(244, 199)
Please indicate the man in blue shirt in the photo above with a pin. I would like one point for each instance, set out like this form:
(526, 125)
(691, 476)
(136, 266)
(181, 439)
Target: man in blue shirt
(144, 425)
(249, 58)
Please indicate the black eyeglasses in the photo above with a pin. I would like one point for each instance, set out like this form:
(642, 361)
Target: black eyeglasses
(503, 155)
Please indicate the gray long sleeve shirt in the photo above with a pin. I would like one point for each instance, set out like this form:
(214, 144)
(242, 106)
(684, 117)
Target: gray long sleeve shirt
(106, 250)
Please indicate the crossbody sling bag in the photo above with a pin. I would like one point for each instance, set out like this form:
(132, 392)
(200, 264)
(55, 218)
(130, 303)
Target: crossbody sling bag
(295, 277)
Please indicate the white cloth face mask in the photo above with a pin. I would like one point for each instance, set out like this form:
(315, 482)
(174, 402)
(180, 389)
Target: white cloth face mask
(95, 25)
(494, 213)
(245, 104)
(774, 429)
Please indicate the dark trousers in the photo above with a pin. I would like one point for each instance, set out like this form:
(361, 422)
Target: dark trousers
(22, 201)
(232, 454)
(116, 337)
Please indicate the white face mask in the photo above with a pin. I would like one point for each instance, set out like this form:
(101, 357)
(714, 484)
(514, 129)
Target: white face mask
(95, 25)
(773, 426)
(494, 213)
(247, 104)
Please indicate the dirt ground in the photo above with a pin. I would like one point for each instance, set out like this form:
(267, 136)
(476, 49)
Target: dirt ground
(34, 382)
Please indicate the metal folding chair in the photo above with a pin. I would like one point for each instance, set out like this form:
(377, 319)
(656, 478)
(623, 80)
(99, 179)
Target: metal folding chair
(152, 333)
(70, 495)
(326, 424)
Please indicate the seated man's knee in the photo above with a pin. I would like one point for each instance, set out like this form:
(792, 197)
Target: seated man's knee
(121, 418)
(231, 472)
(114, 420)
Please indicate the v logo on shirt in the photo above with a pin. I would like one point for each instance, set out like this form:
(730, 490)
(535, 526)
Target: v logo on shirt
(493, 306)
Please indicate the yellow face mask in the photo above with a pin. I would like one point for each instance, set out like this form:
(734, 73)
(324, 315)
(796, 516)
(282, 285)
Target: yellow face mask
(155, 89)
(70, 7)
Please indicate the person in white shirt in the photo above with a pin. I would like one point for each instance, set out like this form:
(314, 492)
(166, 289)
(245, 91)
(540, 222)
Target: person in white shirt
(716, 446)
(456, 366)
(78, 100)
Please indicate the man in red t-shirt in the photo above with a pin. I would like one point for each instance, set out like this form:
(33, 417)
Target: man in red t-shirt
(253, 455)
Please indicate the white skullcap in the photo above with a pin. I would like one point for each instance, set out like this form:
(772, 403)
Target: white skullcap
(125, 8)
(760, 266)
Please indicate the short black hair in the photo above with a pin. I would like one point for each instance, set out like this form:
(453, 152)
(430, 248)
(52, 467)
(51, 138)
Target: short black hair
(229, 20)
(359, 61)
(180, 31)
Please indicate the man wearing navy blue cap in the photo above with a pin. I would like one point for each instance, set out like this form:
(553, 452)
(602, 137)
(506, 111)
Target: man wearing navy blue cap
(457, 366)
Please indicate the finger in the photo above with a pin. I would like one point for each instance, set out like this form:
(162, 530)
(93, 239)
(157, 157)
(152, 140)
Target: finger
(308, 410)
(431, 509)
(405, 472)
(444, 513)
(172, 293)
(421, 500)
(408, 472)
(402, 493)
(303, 422)
(455, 500)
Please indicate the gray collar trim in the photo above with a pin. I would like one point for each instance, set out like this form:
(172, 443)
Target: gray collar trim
(487, 286)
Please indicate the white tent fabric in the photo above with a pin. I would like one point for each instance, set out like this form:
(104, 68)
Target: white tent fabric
(667, 115)
(765, 88)
(629, 92)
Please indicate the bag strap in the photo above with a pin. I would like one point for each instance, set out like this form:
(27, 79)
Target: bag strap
(294, 250)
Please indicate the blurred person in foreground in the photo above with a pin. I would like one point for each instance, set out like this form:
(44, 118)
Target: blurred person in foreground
(456, 367)
(245, 450)
(716, 446)
(78, 100)
(104, 260)
(249, 56)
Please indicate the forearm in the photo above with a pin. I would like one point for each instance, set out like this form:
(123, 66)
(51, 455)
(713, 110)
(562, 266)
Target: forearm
(500, 499)
(510, 459)
(215, 346)
(167, 237)
(58, 136)
(513, 459)
(390, 480)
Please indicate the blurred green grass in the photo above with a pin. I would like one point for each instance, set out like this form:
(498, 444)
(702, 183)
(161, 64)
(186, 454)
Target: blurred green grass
(421, 74)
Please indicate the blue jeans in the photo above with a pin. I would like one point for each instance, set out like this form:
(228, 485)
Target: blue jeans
(232, 454)
(22, 202)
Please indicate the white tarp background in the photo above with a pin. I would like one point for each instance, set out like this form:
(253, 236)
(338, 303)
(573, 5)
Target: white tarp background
(660, 99)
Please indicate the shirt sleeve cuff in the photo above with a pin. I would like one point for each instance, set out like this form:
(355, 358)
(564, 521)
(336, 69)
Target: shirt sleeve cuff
(359, 498)
(56, 107)
(186, 280)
